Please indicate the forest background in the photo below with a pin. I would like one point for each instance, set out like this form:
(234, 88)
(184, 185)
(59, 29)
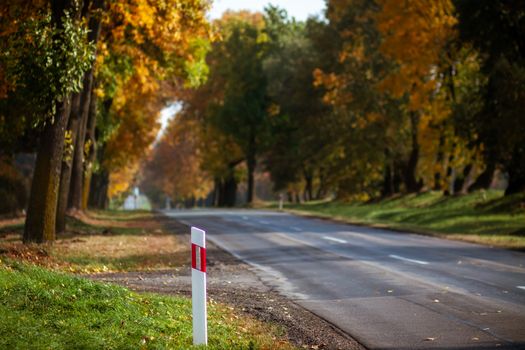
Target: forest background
(373, 100)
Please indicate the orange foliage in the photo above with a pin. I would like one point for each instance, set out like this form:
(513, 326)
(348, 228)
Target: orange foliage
(159, 40)
(176, 165)
(415, 34)
(12, 14)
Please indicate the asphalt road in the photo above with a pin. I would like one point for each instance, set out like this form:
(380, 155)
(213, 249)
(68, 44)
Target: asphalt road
(386, 289)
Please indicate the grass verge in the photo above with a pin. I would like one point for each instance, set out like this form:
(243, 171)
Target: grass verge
(43, 306)
(483, 217)
(104, 241)
(42, 309)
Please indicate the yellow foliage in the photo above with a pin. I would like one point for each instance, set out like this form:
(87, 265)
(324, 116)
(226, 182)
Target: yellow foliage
(121, 180)
(154, 43)
(176, 164)
(415, 34)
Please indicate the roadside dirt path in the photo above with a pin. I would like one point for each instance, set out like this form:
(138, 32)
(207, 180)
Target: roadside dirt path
(234, 283)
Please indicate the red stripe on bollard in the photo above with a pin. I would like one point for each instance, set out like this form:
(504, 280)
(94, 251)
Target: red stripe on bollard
(198, 258)
(203, 259)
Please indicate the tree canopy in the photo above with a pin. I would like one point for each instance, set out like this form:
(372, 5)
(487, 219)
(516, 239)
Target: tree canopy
(373, 99)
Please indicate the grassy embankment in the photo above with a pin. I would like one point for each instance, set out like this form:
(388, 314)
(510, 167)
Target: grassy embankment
(45, 306)
(483, 217)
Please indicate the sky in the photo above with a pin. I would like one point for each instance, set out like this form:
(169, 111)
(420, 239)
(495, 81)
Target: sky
(300, 9)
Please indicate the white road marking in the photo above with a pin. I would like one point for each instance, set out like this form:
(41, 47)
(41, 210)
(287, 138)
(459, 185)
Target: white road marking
(334, 239)
(521, 287)
(264, 222)
(409, 260)
(296, 229)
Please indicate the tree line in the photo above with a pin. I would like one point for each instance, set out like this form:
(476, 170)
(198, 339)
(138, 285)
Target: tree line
(375, 99)
(81, 85)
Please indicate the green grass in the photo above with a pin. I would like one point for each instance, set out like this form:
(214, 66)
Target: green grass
(120, 215)
(97, 243)
(41, 309)
(484, 217)
(76, 225)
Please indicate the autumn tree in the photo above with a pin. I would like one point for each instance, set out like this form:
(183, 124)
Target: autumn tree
(497, 29)
(76, 129)
(367, 138)
(61, 41)
(415, 36)
(175, 169)
(47, 79)
(147, 51)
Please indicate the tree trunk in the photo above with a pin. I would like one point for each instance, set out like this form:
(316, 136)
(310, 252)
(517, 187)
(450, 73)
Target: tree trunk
(41, 212)
(438, 178)
(516, 184)
(410, 179)
(78, 159)
(227, 192)
(468, 174)
(484, 179)
(251, 183)
(98, 193)
(388, 177)
(216, 189)
(516, 171)
(388, 181)
(230, 191)
(320, 190)
(91, 150)
(308, 189)
(77, 185)
(90, 110)
(251, 164)
(65, 174)
(462, 182)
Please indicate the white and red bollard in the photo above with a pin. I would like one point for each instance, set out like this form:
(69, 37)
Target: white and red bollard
(198, 286)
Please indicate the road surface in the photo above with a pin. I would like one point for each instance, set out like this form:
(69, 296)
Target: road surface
(388, 290)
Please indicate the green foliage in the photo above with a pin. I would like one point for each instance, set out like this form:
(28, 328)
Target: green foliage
(196, 69)
(46, 64)
(242, 113)
(296, 106)
(42, 65)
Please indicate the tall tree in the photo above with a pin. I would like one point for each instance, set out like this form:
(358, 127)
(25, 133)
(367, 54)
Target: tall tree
(70, 58)
(415, 35)
(297, 114)
(92, 11)
(243, 112)
(148, 51)
(496, 29)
